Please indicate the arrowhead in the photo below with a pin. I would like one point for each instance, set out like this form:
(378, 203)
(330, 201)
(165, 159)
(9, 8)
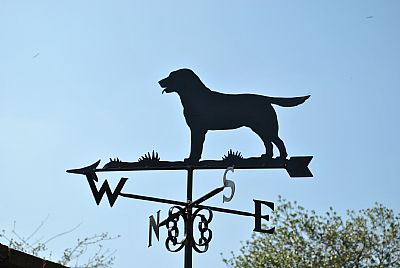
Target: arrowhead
(84, 170)
(297, 166)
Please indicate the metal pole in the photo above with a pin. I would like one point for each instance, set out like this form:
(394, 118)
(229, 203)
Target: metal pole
(189, 223)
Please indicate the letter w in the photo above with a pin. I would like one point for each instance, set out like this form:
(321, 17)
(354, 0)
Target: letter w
(104, 189)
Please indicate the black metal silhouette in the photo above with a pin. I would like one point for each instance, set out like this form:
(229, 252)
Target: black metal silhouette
(296, 166)
(206, 110)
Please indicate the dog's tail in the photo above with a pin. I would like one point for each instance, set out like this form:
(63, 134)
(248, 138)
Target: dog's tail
(288, 102)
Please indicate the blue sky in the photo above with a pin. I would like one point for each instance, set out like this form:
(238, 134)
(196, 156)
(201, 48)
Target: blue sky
(78, 83)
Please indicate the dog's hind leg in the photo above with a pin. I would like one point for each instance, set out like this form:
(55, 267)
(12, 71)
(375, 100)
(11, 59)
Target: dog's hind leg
(281, 146)
(266, 140)
(268, 148)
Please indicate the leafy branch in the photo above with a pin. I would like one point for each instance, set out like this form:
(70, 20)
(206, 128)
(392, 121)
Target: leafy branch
(72, 256)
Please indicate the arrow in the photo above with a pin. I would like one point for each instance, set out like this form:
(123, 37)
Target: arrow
(297, 166)
(85, 170)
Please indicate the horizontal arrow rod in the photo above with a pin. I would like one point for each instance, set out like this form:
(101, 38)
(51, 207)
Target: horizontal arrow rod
(194, 167)
(296, 166)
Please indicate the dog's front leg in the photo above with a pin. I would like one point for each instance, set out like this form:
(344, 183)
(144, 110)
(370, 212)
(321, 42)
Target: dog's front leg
(197, 138)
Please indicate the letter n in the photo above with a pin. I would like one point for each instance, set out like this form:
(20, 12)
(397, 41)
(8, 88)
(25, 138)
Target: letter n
(153, 226)
(258, 216)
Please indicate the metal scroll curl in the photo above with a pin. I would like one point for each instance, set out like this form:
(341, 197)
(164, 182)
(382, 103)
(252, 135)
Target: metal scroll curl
(200, 245)
(172, 243)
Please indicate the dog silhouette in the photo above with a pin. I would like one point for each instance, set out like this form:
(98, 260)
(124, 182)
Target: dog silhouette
(206, 110)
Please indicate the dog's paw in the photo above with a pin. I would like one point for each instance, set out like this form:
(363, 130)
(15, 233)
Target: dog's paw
(190, 160)
(266, 157)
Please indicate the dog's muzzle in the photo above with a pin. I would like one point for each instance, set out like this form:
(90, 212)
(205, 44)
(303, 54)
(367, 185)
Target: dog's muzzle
(163, 84)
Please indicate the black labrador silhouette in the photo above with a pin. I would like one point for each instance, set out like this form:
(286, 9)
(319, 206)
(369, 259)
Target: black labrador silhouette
(206, 110)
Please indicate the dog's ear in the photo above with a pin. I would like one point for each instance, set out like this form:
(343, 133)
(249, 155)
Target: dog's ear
(190, 79)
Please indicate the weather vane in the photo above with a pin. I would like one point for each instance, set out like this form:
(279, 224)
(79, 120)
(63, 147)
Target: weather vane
(206, 110)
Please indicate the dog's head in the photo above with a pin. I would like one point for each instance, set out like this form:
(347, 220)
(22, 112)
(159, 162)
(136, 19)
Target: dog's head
(180, 81)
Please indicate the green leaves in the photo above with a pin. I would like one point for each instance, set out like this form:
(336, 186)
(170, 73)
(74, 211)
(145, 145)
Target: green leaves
(367, 238)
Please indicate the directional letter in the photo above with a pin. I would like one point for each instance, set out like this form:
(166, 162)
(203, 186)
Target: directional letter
(104, 189)
(230, 184)
(258, 216)
(155, 227)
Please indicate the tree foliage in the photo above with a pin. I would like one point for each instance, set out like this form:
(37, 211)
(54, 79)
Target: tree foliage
(367, 238)
(88, 252)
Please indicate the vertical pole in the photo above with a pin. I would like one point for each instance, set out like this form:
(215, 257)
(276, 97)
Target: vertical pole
(189, 223)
